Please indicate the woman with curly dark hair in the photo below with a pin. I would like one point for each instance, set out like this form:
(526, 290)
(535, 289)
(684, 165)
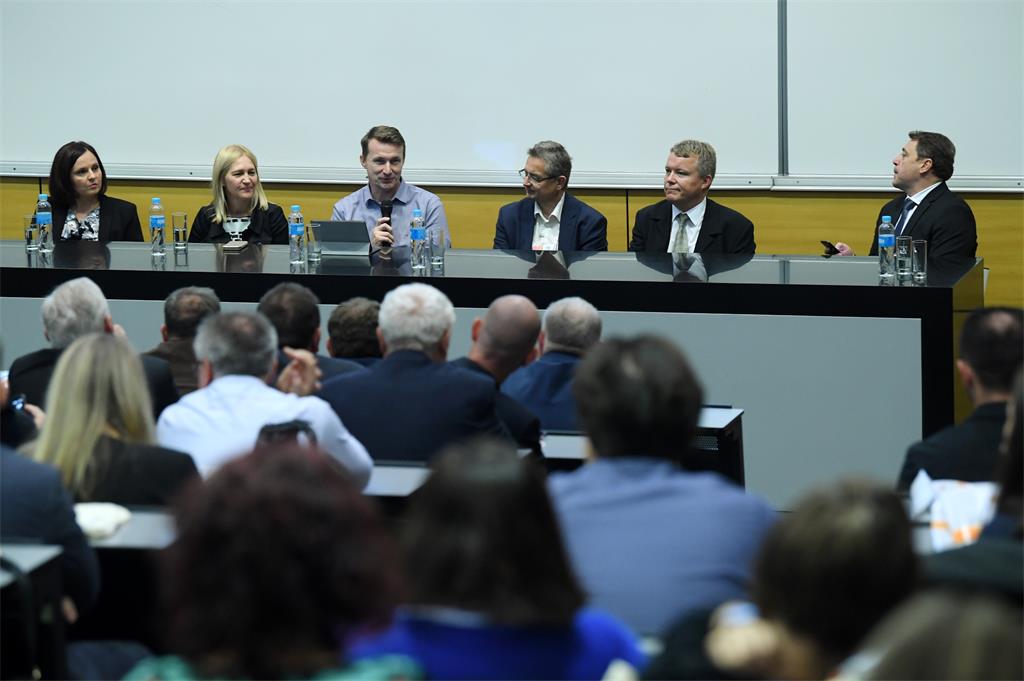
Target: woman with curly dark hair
(278, 558)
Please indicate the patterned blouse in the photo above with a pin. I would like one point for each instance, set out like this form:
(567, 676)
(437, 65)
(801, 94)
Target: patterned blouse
(85, 230)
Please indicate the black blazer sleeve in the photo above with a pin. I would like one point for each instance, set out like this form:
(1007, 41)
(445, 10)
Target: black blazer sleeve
(276, 225)
(593, 231)
(501, 229)
(202, 225)
(119, 220)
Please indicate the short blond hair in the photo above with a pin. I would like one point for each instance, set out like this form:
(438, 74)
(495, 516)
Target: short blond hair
(702, 151)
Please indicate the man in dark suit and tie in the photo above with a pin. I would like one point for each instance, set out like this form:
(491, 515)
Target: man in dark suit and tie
(687, 221)
(505, 339)
(412, 403)
(927, 209)
(991, 350)
(549, 218)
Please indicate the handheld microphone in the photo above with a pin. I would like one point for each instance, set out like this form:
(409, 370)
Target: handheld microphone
(385, 210)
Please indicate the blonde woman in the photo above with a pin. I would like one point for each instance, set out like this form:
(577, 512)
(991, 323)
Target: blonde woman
(99, 429)
(238, 197)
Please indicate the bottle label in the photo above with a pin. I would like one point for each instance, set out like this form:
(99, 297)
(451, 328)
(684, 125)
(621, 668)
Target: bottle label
(418, 234)
(296, 229)
(886, 240)
(157, 221)
(44, 219)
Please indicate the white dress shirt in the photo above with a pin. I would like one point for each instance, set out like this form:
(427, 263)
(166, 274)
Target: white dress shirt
(545, 229)
(223, 420)
(696, 219)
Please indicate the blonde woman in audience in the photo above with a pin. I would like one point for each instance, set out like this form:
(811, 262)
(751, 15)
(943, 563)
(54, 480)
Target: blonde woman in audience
(99, 429)
(239, 203)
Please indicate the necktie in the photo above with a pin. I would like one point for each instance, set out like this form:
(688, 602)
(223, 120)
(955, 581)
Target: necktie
(908, 205)
(682, 245)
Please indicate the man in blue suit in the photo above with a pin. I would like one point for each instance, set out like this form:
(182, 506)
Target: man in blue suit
(549, 219)
(412, 403)
(570, 327)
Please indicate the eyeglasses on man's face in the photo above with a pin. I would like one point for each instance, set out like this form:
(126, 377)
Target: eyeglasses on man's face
(536, 179)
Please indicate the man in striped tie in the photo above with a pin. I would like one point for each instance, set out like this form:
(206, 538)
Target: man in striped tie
(927, 209)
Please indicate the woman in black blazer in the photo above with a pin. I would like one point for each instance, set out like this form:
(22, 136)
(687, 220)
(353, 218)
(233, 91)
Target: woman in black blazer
(78, 194)
(99, 430)
(238, 197)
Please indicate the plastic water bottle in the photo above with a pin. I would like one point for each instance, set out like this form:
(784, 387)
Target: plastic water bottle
(44, 223)
(417, 243)
(157, 227)
(886, 249)
(436, 244)
(296, 236)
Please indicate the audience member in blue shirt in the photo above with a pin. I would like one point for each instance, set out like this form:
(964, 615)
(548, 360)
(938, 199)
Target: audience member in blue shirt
(650, 540)
(491, 591)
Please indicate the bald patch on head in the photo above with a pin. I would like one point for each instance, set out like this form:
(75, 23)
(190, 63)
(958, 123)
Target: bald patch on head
(510, 329)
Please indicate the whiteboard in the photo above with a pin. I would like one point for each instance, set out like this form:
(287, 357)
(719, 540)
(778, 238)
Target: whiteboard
(158, 86)
(863, 73)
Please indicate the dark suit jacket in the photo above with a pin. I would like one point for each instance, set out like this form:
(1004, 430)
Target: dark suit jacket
(521, 424)
(966, 451)
(268, 226)
(407, 407)
(329, 366)
(943, 219)
(722, 231)
(35, 507)
(544, 387)
(119, 220)
(30, 374)
(141, 475)
(581, 228)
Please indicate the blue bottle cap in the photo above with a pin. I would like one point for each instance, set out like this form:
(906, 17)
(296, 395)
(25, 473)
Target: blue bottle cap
(296, 208)
(156, 199)
(42, 197)
(417, 213)
(886, 218)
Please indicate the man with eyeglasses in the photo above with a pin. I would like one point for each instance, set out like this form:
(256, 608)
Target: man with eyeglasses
(386, 203)
(549, 219)
(687, 221)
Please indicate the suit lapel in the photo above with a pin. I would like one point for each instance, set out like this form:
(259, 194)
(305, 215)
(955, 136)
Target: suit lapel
(710, 227)
(567, 225)
(920, 211)
(526, 225)
(105, 219)
(661, 226)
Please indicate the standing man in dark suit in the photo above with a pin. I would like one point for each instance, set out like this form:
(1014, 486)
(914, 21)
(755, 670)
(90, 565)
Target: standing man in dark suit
(412, 403)
(295, 313)
(687, 221)
(991, 351)
(505, 339)
(549, 219)
(928, 209)
(74, 309)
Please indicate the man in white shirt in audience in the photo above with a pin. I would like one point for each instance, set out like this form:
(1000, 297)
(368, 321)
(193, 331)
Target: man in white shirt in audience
(237, 354)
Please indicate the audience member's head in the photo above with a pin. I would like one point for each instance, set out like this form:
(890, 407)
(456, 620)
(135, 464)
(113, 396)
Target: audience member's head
(946, 636)
(570, 325)
(505, 338)
(481, 536)
(416, 317)
(98, 390)
(235, 343)
(352, 329)
(295, 313)
(278, 558)
(74, 309)
(831, 569)
(638, 397)
(991, 351)
(185, 308)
